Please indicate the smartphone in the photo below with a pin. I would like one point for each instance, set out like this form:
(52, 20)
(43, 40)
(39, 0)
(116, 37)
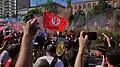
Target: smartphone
(28, 17)
(92, 35)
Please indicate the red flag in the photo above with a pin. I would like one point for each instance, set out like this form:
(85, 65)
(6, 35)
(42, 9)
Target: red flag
(54, 22)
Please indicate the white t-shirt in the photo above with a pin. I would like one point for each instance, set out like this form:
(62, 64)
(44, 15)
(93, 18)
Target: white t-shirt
(99, 66)
(4, 56)
(59, 63)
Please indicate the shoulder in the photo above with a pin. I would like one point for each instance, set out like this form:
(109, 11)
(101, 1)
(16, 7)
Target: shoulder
(40, 58)
(59, 60)
(59, 63)
(99, 66)
(48, 58)
(4, 53)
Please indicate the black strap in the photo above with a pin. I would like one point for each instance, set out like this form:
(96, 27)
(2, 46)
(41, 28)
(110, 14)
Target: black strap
(53, 62)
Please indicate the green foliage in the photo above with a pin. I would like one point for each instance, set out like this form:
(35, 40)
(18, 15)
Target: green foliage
(101, 8)
(69, 3)
(71, 17)
(2, 16)
(49, 1)
(51, 7)
(104, 7)
(35, 11)
(78, 19)
(79, 14)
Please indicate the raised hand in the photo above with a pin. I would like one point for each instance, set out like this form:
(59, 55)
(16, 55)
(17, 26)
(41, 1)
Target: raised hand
(31, 27)
(103, 61)
(79, 59)
(82, 39)
(108, 39)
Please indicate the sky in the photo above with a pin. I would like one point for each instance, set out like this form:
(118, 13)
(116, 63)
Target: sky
(34, 2)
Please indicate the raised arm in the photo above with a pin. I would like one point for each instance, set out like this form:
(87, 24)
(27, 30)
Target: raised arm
(108, 39)
(25, 55)
(79, 59)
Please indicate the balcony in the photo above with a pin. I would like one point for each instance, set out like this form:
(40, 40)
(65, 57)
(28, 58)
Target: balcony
(12, 2)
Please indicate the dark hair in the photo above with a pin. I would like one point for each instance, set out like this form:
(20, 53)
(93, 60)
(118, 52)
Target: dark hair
(51, 48)
(113, 55)
(13, 50)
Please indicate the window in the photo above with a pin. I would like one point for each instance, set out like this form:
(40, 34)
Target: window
(94, 4)
(84, 6)
(89, 6)
(79, 7)
(114, 4)
(75, 7)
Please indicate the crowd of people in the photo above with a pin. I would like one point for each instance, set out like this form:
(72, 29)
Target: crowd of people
(37, 47)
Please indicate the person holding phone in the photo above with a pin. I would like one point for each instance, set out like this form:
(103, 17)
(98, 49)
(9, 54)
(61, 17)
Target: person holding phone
(111, 57)
(25, 55)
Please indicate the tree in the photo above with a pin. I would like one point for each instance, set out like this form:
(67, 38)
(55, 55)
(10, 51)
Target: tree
(49, 1)
(33, 12)
(101, 8)
(69, 2)
(79, 19)
(51, 7)
(71, 17)
(36, 11)
(79, 14)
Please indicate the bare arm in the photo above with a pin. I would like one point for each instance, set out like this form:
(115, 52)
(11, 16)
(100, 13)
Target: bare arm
(79, 59)
(25, 55)
(79, 62)
(108, 39)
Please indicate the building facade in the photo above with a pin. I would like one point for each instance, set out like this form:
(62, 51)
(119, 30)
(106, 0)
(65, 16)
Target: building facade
(23, 4)
(100, 21)
(1, 7)
(90, 4)
(9, 8)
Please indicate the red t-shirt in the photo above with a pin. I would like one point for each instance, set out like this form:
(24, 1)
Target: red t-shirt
(8, 64)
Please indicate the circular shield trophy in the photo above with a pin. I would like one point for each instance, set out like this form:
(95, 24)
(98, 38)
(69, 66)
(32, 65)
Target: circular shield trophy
(60, 49)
